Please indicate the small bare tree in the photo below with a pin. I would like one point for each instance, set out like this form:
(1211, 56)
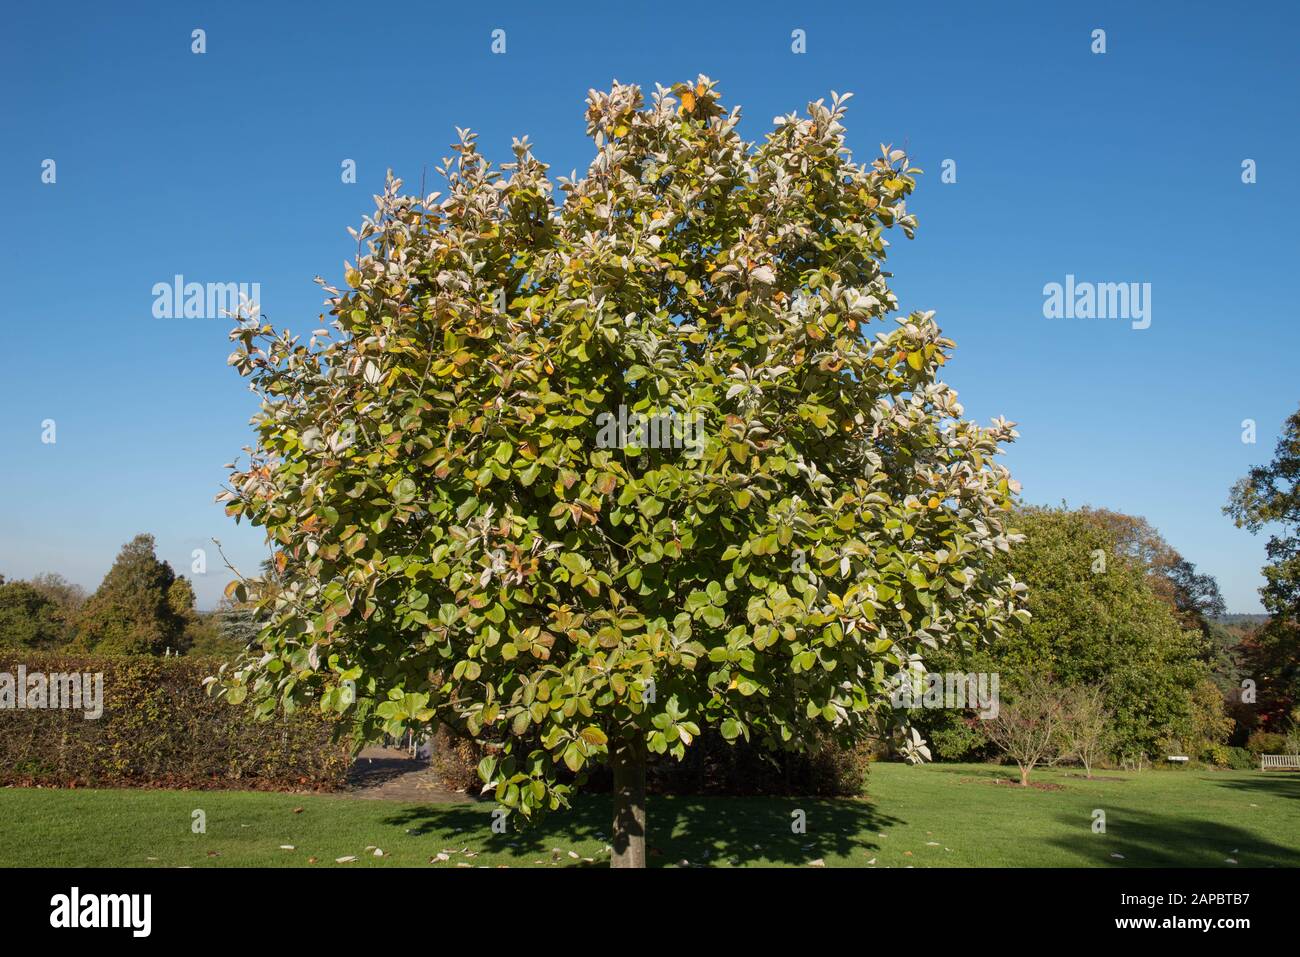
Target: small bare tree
(1086, 728)
(1027, 728)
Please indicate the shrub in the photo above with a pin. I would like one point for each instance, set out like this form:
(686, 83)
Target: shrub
(1219, 755)
(711, 766)
(160, 728)
(1266, 742)
(1239, 759)
(454, 758)
(960, 740)
(715, 766)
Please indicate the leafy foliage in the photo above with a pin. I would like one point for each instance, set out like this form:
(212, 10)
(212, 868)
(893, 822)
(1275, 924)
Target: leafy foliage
(1270, 656)
(29, 618)
(1193, 595)
(451, 538)
(1269, 495)
(1093, 625)
(140, 608)
(159, 729)
(711, 765)
(225, 632)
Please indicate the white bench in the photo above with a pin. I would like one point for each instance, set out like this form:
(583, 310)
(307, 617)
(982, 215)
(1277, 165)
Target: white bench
(1279, 762)
(1178, 758)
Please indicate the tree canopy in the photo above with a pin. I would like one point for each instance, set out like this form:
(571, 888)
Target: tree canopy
(1269, 496)
(141, 606)
(458, 533)
(1101, 617)
(30, 617)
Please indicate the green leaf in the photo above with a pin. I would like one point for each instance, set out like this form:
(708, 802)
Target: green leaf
(573, 758)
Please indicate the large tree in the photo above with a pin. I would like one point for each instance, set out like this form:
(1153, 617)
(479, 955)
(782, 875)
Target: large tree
(1269, 497)
(463, 528)
(29, 618)
(1193, 595)
(1098, 619)
(140, 608)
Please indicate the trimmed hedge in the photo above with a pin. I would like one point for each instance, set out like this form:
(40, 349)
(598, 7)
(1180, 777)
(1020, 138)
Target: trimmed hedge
(159, 728)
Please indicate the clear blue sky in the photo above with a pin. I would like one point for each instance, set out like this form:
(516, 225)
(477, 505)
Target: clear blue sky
(1122, 167)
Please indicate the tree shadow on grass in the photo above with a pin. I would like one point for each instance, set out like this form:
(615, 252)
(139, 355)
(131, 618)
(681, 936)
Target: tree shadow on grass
(702, 831)
(1148, 839)
(1274, 784)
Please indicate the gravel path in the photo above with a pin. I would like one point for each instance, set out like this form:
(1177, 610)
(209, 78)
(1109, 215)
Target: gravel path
(390, 774)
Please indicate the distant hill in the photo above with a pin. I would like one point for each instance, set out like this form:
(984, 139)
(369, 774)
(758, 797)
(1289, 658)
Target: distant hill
(1241, 619)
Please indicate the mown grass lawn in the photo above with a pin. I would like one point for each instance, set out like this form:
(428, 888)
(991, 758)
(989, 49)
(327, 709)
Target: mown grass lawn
(939, 815)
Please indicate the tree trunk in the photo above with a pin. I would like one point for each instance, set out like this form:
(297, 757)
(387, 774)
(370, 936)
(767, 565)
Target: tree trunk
(629, 760)
(1024, 777)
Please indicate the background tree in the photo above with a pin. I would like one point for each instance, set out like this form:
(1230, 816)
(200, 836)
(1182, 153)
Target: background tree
(456, 538)
(29, 618)
(1269, 496)
(226, 631)
(1208, 722)
(1269, 656)
(1197, 603)
(68, 596)
(1097, 619)
(1086, 726)
(140, 608)
(1194, 596)
(1027, 727)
